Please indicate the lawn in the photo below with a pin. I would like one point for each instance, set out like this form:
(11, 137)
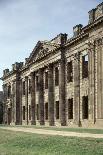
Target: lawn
(80, 130)
(19, 143)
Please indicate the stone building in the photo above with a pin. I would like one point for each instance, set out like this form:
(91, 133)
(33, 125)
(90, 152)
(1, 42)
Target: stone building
(61, 83)
(1, 107)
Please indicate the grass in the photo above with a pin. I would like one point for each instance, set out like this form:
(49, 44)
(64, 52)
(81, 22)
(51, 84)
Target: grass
(19, 143)
(80, 130)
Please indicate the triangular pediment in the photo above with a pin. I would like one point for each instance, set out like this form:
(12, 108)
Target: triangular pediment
(41, 50)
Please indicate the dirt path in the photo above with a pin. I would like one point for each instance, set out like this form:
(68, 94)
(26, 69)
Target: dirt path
(52, 132)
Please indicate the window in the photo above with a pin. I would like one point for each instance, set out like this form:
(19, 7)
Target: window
(9, 91)
(69, 72)
(29, 112)
(85, 66)
(23, 112)
(85, 107)
(57, 109)
(23, 87)
(29, 86)
(46, 111)
(56, 76)
(70, 108)
(46, 80)
(37, 108)
(37, 83)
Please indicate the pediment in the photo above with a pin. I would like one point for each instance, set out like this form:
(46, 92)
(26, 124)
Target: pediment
(41, 50)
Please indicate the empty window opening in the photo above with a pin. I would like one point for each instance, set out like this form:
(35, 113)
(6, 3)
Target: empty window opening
(69, 72)
(23, 112)
(46, 111)
(29, 112)
(29, 86)
(85, 66)
(56, 76)
(57, 109)
(37, 108)
(70, 108)
(85, 107)
(9, 91)
(46, 80)
(37, 83)
(23, 87)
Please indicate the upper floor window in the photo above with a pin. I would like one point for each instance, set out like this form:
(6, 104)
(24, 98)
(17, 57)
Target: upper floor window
(29, 86)
(9, 91)
(69, 72)
(37, 82)
(85, 66)
(56, 76)
(46, 80)
(23, 87)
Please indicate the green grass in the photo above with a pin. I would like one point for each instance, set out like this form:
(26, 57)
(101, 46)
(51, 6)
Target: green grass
(19, 143)
(80, 130)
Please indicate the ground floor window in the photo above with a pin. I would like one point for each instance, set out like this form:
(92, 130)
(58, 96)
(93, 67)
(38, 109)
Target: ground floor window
(29, 112)
(57, 109)
(37, 111)
(85, 107)
(23, 112)
(70, 108)
(46, 111)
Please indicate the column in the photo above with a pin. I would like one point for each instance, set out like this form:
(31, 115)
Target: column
(18, 101)
(26, 100)
(62, 91)
(77, 89)
(91, 68)
(12, 101)
(51, 95)
(33, 102)
(20, 94)
(99, 50)
(41, 97)
(4, 104)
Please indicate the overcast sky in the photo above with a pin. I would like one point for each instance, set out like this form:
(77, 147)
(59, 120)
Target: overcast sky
(24, 22)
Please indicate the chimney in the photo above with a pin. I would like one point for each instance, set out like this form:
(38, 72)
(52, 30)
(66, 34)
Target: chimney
(5, 72)
(91, 16)
(77, 29)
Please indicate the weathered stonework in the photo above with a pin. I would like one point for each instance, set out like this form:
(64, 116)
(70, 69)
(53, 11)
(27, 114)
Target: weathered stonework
(61, 83)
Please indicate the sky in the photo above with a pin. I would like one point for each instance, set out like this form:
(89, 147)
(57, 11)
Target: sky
(24, 22)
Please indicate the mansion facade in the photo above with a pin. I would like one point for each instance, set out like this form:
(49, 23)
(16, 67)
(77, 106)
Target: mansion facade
(61, 83)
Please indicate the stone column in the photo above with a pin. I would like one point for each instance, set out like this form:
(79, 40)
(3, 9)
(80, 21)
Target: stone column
(41, 97)
(51, 95)
(26, 100)
(62, 91)
(99, 50)
(33, 102)
(18, 100)
(77, 89)
(12, 102)
(20, 94)
(91, 70)
(4, 104)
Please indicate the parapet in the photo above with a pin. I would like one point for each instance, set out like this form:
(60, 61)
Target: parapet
(60, 39)
(96, 13)
(17, 66)
(77, 29)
